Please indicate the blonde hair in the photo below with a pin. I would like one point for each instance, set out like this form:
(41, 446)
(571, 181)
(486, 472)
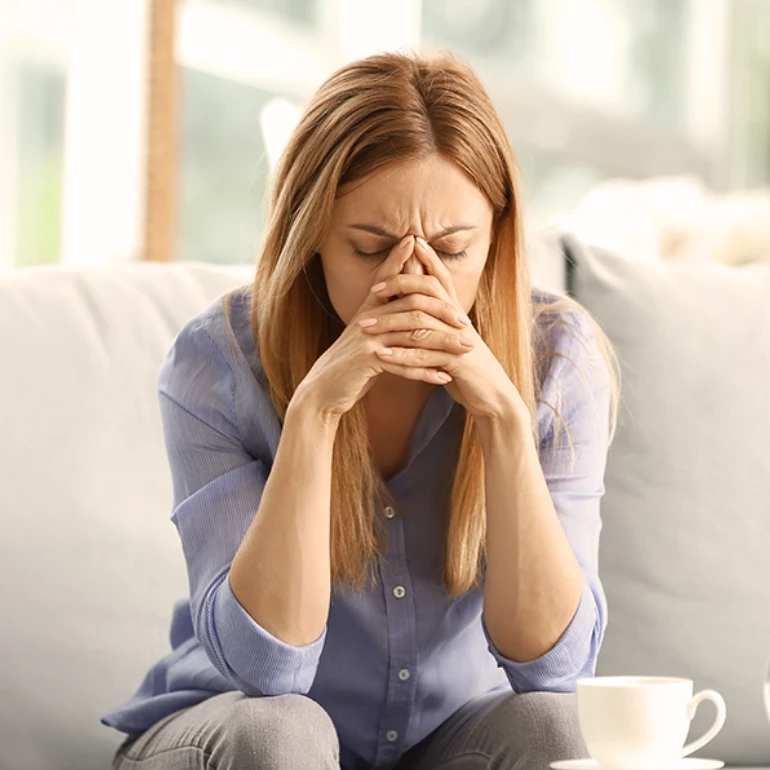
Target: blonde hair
(374, 111)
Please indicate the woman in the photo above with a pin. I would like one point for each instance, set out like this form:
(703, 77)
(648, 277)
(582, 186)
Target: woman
(389, 511)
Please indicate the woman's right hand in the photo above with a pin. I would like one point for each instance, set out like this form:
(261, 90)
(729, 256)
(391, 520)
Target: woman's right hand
(346, 371)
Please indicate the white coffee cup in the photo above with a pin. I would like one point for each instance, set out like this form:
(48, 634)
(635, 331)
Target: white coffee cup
(641, 722)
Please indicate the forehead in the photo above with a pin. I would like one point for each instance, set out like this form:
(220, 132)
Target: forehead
(421, 193)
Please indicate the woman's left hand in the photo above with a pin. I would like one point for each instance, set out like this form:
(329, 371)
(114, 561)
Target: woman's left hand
(479, 381)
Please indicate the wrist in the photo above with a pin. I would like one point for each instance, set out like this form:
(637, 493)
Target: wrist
(305, 408)
(512, 419)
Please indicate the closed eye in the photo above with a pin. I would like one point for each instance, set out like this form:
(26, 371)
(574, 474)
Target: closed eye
(384, 252)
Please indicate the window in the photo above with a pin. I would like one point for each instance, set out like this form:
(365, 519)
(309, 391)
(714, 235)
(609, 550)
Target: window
(39, 179)
(33, 78)
(247, 67)
(587, 89)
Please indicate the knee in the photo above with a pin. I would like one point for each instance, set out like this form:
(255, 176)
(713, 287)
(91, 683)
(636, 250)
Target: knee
(283, 732)
(550, 722)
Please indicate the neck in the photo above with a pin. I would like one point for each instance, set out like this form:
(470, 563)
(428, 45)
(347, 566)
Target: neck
(392, 387)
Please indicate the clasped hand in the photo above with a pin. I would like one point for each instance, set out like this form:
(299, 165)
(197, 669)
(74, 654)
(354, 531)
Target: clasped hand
(413, 334)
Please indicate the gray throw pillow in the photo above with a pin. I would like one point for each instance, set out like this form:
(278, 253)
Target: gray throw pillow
(685, 544)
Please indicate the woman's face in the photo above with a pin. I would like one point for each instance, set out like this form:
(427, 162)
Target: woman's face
(431, 198)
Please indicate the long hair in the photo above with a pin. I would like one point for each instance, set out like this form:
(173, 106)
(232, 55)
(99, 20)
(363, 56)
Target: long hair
(382, 109)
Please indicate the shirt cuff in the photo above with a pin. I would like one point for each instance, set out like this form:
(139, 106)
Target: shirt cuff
(253, 658)
(573, 655)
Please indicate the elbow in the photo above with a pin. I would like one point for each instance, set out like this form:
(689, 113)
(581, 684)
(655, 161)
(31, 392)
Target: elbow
(248, 656)
(572, 657)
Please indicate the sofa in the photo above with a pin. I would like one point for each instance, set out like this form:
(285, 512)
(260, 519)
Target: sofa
(91, 563)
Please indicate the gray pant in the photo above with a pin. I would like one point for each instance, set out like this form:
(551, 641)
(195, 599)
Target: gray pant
(504, 731)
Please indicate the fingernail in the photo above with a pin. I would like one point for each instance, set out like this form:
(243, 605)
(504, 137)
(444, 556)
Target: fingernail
(463, 319)
(465, 341)
(378, 286)
(421, 241)
(367, 322)
(405, 240)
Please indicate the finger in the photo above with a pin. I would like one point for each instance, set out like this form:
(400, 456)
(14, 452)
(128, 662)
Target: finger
(412, 283)
(428, 339)
(390, 267)
(442, 340)
(410, 356)
(426, 374)
(418, 310)
(430, 259)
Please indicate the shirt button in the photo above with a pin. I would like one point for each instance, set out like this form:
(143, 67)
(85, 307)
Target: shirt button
(399, 592)
(391, 735)
(389, 512)
(404, 674)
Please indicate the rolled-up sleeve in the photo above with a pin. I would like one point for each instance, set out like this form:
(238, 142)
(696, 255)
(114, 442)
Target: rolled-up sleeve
(218, 486)
(576, 386)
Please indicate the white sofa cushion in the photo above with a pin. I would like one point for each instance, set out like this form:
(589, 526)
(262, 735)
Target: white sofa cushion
(685, 545)
(90, 562)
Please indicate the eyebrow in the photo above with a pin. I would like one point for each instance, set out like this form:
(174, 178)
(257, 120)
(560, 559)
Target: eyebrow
(377, 230)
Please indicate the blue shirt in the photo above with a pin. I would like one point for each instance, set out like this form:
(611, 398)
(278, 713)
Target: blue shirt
(395, 662)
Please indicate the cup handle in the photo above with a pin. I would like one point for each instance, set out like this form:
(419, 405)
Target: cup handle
(692, 706)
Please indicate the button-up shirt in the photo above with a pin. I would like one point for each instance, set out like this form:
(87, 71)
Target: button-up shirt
(395, 661)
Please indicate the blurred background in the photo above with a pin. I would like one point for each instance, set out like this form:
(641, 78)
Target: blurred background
(147, 129)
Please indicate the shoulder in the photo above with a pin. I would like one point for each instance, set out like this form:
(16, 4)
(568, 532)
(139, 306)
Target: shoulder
(571, 366)
(561, 326)
(202, 365)
(210, 334)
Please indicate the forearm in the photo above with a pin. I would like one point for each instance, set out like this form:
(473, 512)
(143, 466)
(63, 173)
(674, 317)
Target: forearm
(533, 580)
(281, 571)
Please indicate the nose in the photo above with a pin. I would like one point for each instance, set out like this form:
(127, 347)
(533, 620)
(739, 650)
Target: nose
(413, 265)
